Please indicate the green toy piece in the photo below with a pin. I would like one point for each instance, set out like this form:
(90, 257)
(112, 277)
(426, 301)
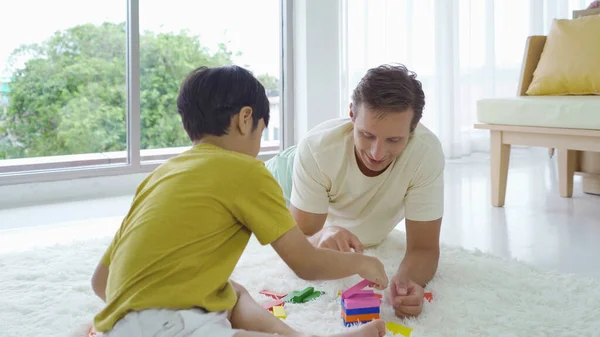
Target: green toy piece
(313, 296)
(303, 296)
(288, 298)
(299, 298)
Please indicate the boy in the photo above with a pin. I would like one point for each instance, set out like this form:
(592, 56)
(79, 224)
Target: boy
(166, 272)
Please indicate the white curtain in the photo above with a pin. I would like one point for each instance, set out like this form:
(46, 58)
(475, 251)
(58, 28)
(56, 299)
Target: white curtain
(461, 50)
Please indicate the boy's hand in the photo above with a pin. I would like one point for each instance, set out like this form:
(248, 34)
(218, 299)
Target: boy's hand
(372, 269)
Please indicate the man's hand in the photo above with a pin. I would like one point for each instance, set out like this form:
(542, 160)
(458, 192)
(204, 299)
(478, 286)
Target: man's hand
(406, 297)
(337, 238)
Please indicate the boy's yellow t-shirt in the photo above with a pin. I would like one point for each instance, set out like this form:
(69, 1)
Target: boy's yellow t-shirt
(188, 225)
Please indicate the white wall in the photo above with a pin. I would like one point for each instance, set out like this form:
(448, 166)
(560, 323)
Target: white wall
(317, 84)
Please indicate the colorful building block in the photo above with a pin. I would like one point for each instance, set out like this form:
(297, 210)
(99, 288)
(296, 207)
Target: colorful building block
(359, 303)
(361, 311)
(360, 318)
(279, 312)
(355, 288)
(396, 328)
(270, 305)
(361, 293)
(313, 296)
(272, 294)
(428, 296)
(300, 296)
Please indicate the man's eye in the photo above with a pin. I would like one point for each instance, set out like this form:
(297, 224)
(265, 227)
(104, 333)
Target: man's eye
(367, 136)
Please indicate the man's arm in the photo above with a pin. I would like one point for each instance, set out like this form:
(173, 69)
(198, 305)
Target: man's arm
(309, 223)
(422, 251)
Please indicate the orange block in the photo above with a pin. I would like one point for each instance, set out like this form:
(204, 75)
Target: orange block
(360, 318)
(378, 295)
(428, 297)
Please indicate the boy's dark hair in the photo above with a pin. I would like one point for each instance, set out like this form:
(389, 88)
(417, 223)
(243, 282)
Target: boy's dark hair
(210, 97)
(390, 88)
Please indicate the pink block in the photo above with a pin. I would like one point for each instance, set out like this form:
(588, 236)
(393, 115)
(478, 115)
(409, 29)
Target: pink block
(361, 293)
(355, 288)
(359, 303)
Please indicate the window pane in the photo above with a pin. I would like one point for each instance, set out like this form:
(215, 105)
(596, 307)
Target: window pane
(62, 82)
(178, 36)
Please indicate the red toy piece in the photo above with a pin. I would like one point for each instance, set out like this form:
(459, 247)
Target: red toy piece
(270, 305)
(428, 296)
(273, 295)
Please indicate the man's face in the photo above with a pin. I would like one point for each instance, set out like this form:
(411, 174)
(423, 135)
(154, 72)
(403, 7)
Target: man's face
(379, 139)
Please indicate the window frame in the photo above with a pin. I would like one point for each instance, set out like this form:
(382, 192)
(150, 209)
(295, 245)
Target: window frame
(134, 160)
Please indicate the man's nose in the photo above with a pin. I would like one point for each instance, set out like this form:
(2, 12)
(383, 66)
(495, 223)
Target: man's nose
(377, 152)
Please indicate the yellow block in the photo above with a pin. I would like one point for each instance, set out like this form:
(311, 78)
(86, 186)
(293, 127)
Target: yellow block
(279, 312)
(398, 329)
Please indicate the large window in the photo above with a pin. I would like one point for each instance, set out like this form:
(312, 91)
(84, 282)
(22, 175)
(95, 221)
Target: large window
(67, 96)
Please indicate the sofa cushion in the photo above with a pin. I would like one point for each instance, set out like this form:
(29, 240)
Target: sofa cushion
(569, 64)
(578, 112)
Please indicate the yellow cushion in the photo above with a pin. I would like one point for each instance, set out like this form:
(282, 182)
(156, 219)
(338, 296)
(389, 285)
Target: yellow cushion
(570, 61)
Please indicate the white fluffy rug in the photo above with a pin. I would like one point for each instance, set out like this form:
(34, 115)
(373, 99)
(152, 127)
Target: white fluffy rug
(46, 292)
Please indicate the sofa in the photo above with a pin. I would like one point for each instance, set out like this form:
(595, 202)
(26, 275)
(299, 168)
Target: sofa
(569, 123)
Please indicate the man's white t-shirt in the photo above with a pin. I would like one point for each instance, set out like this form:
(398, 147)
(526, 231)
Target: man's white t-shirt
(327, 179)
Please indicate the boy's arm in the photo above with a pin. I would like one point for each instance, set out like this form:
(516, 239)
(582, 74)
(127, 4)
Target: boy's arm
(99, 281)
(312, 263)
(100, 277)
(260, 206)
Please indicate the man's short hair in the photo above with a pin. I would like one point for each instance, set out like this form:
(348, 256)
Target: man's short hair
(390, 88)
(210, 97)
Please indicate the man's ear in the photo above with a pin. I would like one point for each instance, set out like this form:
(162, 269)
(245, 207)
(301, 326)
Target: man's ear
(244, 120)
(351, 113)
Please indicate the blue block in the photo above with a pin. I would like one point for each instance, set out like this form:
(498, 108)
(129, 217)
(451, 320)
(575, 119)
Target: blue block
(363, 311)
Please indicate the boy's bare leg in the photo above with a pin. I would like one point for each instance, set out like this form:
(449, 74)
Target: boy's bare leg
(250, 316)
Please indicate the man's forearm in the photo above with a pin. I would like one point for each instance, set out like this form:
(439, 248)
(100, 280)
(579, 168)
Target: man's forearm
(419, 266)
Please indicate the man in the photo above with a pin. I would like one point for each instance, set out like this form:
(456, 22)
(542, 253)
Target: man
(355, 179)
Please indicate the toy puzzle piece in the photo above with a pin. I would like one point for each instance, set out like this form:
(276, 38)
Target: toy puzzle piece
(288, 297)
(428, 296)
(272, 294)
(396, 328)
(279, 312)
(360, 303)
(313, 296)
(350, 324)
(360, 311)
(355, 288)
(361, 293)
(270, 305)
(360, 318)
(302, 295)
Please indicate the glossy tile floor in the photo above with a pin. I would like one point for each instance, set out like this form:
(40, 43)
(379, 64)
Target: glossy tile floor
(536, 225)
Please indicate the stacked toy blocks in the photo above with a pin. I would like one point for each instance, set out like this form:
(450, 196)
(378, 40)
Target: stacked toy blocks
(360, 306)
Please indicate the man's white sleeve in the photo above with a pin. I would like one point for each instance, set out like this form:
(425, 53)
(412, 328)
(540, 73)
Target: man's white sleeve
(310, 186)
(424, 200)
